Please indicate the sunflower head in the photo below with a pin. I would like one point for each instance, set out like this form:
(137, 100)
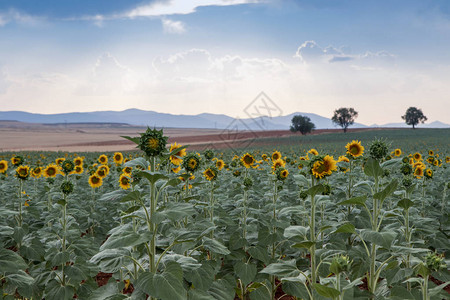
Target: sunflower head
(313, 152)
(322, 166)
(177, 157)
(276, 155)
(51, 171)
(3, 166)
(23, 172)
(418, 172)
(67, 166)
(406, 169)
(102, 171)
(36, 172)
(220, 164)
(127, 170)
(210, 173)
(430, 159)
(343, 158)
(430, 152)
(118, 158)
(397, 152)
(354, 149)
(17, 160)
(153, 142)
(417, 156)
(191, 162)
(103, 159)
(59, 160)
(279, 163)
(428, 173)
(247, 160)
(124, 181)
(236, 173)
(66, 187)
(447, 159)
(78, 170)
(282, 173)
(95, 181)
(176, 170)
(209, 154)
(78, 161)
(378, 149)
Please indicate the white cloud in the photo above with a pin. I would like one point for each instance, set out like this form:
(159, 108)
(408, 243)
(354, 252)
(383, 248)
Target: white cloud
(174, 27)
(172, 7)
(14, 16)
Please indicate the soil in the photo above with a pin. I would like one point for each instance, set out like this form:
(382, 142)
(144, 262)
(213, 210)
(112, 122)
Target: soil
(102, 278)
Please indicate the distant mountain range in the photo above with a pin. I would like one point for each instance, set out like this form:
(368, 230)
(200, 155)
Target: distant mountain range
(154, 119)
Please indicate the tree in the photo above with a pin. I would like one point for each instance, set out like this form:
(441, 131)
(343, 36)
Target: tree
(302, 124)
(413, 116)
(344, 117)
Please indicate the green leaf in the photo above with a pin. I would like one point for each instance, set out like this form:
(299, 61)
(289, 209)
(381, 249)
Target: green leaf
(124, 236)
(387, 191)
(401, 293)
(55, 291)
(259, 253)
(282, 269)
(304, 244)
(295, 231)
(223, 289)
(296, 289)
(384, 239)
(405, 203)
(372, 168)
(60, 258)
(301, 180)
(346, 228)
(133, 196)
(317, 189)
(6, 230)
(326, 291)
(361, 200)
(11, 261)
(145, 283)
(215, 246)
(152, 177)
(436, 290)
(202, 278)
(246, 272)
(199, 295)
(20, 279)
(107, 291)
(110, 260)
(133, 139)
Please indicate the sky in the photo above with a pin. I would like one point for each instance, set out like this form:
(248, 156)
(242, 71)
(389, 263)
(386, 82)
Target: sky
(215, 56)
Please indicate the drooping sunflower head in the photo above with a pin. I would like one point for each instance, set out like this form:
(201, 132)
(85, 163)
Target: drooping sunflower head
(323, 166)
(124, 181)
(103, 159)
(397, 152)
(17, 160)
(78, 161)
(66, 187)
(354, 149)
(95, 181)
(191, 162)
(247, 160)
(282, 173)
(3, 166)
(313, 152)
(220, 164)
(118, 158)
(429, 173)
(22, 172)
(417, 156)
(264, 157)
(210, 173)
(279, 163)
(36, 172)
(276, 155)
(67, 166)
(153, 142)
(51, 171)
(177, 157)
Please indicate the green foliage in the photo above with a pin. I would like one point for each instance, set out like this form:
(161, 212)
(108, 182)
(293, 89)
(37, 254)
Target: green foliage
(302, 124)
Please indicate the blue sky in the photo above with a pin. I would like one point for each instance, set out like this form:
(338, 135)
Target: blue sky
(188, 57)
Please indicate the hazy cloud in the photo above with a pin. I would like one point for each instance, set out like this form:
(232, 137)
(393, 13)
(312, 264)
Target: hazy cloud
(14, 16)
(174, 27)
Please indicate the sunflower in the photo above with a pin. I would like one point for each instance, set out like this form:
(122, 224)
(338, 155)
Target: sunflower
(418, 164)
(323, 166)
(306, 157)
(417, 156)
(191, 162)
(36, 172)
(118, 158)
(282, 173)
(276, 155)
(176, 170)
(102, 171)
(430, 159)
(279, 163)
(17, 160)
(418, 172)
(124, 182)
(220, 164)
(210, 173)
(152, 142)
(176, 158)
(300, 166)
(247, 160)
(343, 158)
(430, 152)
(264, 157)
(127, 170)
(67, 166)
(59, 160)
(95, 181)
(103, 159)
(436, 162)
(447, 159)
(22, 172)
(3, 166)
(429, 173)
(78, 170)
(51, 171)
(78, 161)
(397, 152)
(313, 152)
(354, 148)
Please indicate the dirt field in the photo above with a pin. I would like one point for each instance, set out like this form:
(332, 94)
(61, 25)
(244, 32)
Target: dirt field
(18, 136)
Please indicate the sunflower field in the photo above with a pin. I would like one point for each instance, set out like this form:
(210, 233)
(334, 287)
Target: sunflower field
(168, 223)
